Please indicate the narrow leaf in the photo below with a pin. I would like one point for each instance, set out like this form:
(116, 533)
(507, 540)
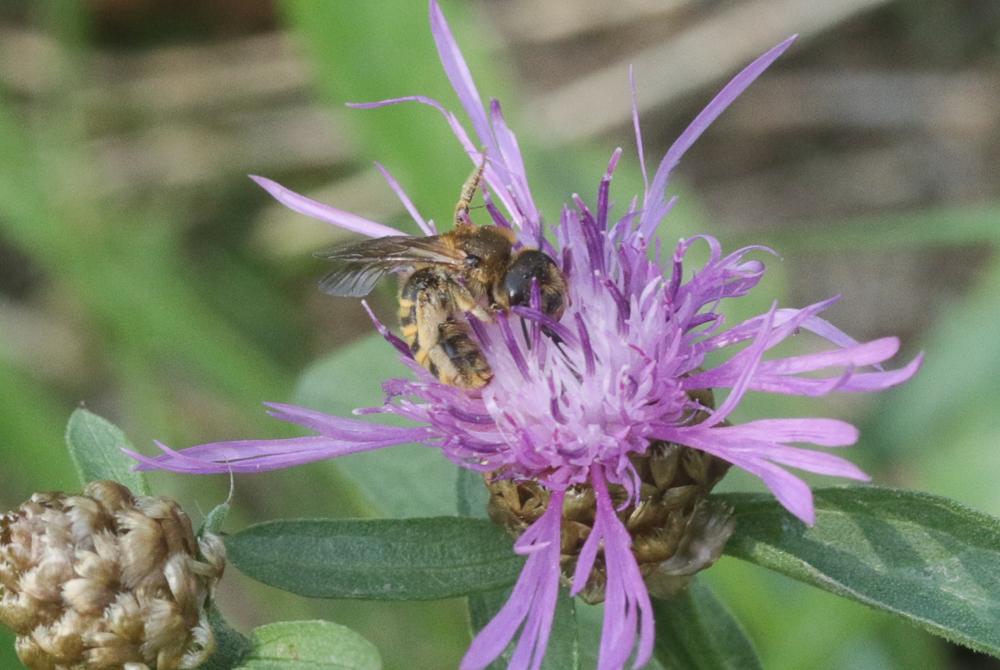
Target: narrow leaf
(95, 446)
(924, 558)
(310, 645)
(697, 631)
(377, 559)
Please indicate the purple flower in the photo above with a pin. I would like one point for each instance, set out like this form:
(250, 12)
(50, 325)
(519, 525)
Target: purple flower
(571, 400)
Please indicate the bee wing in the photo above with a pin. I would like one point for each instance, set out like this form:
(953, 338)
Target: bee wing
(358, 267)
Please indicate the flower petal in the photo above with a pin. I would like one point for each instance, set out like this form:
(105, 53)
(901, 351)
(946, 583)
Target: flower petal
(460, 77)
(628, 612)
(653, 202)
(823, 432)
(337, 427)
(244, 456)
(317, 210)
(426, 227)
(495, 172)
(532, 602)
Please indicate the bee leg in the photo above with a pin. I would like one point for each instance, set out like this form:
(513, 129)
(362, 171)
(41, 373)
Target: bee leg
(468, 192)
(422, 304)
(440, 343)
(465, 303)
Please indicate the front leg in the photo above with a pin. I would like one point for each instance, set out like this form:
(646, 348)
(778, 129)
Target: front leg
(467, 193)
(465, 302)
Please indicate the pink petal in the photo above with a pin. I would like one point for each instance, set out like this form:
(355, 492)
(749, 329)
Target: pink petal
(341, 428)
(491, 175)
(652, 204)
(823, 432)
(253, 455)
(460, 77)
(531, 603)
(318, 210)
(427, 228)
(638, 129)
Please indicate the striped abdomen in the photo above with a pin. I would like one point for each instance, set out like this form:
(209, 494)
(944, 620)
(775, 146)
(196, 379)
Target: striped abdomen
(439, 341)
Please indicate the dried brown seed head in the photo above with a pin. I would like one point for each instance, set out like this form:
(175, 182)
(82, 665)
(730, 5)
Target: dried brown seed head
(107, 580)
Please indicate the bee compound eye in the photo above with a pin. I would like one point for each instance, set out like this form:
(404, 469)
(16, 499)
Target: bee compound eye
(473, 261)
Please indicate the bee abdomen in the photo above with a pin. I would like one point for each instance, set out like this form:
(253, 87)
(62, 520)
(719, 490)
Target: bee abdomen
(466, 366)
(439, 342)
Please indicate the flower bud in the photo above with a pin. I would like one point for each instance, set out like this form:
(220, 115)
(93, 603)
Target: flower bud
(107, 579)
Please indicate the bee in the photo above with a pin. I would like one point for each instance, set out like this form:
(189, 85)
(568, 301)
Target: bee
(470, 269)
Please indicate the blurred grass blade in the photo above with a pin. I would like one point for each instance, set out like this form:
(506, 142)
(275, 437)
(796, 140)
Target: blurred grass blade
(31, 433)
(405, 481)
(95, 446)
(696, 631)
(309, 645)
(377, 559)
(926, 559)
(962, 225)
(413, 141)
(946, 415)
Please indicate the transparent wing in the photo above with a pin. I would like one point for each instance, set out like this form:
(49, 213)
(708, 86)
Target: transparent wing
(352, 281)
(358, 267)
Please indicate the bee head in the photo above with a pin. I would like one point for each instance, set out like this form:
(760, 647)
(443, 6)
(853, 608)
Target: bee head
(529, 267)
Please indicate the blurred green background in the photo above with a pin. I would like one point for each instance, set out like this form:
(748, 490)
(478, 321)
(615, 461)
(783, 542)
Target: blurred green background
(143, 275)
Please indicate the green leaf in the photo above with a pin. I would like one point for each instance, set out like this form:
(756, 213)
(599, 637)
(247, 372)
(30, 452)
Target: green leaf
(310, 645)
(8, 657)
(472, 495)
(696, 631)
(926, 559)
(231, 647)
(378, 559)
(405, 481)
(563, 650)
(95, 446)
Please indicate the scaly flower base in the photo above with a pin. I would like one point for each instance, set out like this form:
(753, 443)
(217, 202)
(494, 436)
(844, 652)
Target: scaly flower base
(676, 532)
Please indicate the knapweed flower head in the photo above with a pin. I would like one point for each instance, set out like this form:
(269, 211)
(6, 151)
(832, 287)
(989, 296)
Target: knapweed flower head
(592, 402)
(105, 580)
